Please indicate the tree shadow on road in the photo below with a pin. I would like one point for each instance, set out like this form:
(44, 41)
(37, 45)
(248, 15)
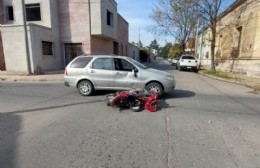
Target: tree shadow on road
(162, 104)
(9, 133)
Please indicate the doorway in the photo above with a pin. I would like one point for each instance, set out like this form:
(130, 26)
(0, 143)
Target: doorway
(72, 50)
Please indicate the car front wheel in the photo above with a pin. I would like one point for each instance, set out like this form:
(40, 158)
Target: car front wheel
(179, 68)
(85, 88)
(155, 87)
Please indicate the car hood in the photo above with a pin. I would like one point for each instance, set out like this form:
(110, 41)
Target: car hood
(157, 72)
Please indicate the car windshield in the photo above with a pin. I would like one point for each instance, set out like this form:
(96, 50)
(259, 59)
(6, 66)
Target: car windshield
(137, 63)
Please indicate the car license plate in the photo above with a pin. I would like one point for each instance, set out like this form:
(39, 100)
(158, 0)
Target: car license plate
(188, 67)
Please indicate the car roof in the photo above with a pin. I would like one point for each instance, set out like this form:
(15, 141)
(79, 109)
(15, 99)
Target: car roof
(111, 56)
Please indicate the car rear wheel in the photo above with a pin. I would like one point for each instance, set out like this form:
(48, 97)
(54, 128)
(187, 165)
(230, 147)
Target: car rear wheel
(155, 87)
(85, 88)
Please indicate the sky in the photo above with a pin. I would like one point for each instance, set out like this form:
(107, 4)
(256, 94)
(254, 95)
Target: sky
(137, 12)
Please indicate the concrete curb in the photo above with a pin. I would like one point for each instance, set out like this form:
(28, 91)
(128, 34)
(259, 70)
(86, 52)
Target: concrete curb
(32, 78)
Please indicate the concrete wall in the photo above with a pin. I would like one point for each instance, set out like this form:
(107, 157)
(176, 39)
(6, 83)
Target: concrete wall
(18, 12)
(122, 35)
(45, 30)
(237, 40)
(133, 52)
(41, 32)
(98, 17)
(40, 62)
(101, 45)
(14, 49)
(203, 53)
(74, 23)
(104, 45)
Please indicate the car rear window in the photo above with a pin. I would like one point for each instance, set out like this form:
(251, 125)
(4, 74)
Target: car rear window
(80, 62)
(187, 57)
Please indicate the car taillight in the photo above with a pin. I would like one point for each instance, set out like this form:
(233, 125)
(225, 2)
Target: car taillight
(65, 72)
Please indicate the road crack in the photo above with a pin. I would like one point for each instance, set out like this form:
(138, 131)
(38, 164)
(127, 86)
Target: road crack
(166, 118)
(172, 161)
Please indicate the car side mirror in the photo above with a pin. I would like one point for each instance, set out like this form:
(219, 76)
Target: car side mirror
(135, 71)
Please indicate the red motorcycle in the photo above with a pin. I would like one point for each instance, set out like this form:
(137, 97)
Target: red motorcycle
(135, 100)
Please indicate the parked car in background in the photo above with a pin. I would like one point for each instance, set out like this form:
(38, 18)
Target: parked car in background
(106, 72)
(174, 61)
(187, 62)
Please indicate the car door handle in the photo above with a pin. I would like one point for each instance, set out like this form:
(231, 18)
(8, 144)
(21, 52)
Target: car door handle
(92, 71)
(118, 73)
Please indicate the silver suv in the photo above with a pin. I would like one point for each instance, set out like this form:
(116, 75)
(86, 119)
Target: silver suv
(106, 72)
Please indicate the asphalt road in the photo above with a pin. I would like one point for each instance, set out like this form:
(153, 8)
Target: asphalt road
(205, 123)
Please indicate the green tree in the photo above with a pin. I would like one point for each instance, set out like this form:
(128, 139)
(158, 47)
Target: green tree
(175, 51)
(154, 45)
(165, 50)
(176, 18)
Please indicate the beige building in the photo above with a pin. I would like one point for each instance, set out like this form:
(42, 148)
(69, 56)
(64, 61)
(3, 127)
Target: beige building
(237, 41)
(57, 31)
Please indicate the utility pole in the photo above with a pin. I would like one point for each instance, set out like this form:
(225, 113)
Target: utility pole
(201, 42)
(139, 45)
(196, 39)
(28, 59)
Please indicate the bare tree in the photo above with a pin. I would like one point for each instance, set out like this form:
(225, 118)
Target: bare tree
(176, 18)
(209, 11)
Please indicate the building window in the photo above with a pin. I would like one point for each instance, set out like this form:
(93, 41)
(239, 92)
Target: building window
(33, 12)
(10, 13)
(47, 48)
(110, 19)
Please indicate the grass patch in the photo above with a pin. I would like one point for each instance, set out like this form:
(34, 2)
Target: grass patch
(256, 88)
(219, 74)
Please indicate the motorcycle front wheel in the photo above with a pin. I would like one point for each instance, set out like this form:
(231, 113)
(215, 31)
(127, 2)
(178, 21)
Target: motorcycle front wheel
(135, 105)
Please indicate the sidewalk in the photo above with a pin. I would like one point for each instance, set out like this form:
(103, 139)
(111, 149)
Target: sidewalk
(251, 82)
(52, 76)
